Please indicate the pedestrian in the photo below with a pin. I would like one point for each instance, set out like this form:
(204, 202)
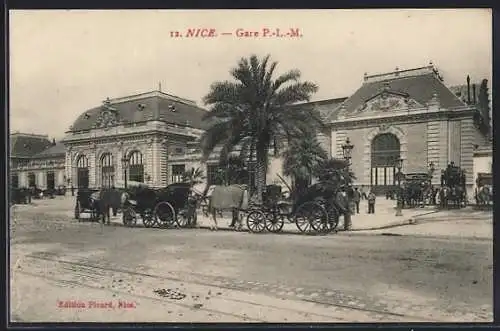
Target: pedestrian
(343, 203)
(357, 199)
(371, 203)
(363, 193)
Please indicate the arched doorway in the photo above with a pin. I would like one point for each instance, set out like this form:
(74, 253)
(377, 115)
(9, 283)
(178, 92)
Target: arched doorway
(31, 179)
(82, 172)
(51, 180)
(136, 167)
(107, 170)
(385, 151)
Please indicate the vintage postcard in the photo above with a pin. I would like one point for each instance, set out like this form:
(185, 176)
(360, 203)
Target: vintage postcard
(251, 166)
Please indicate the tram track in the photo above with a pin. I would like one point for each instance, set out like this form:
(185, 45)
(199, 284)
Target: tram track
(92, 276)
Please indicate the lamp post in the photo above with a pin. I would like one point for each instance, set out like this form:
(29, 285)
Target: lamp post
(399, 165)
(125, 166)
(347, 151)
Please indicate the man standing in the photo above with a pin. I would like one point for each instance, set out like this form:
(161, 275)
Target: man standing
(343, 203)
(357, 199)
(371, 203)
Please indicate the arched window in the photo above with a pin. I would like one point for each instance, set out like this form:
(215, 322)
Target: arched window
(82, 174)
(136, 167)
(385, 151)
(107, 170)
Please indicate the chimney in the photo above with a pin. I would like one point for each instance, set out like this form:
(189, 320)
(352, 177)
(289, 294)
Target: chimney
(54, 141)
(468, 89)
(474, 93)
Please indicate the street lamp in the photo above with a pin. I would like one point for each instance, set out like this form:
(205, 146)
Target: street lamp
(347, 151)
(125, 166)
(399, 165)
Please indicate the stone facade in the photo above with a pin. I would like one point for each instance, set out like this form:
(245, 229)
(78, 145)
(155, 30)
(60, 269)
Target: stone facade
(431, 124)
(147, 129)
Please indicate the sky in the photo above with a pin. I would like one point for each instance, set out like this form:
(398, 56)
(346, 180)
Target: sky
(63, 62)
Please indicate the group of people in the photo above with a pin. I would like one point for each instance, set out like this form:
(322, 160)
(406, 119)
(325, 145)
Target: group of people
(349, 200)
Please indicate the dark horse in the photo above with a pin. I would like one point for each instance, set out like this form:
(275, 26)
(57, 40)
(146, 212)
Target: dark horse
(108, 198)
(98, 203)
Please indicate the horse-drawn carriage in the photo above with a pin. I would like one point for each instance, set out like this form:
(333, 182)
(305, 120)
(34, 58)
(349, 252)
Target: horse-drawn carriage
(85, 203)
(417, 190)
(165, 207)
(313, 211)
(484, 189)
(453, 187)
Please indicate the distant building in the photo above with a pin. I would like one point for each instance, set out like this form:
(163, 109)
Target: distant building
(36, 161)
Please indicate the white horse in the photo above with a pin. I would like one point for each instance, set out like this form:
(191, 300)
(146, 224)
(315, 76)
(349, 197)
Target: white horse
(231, 197)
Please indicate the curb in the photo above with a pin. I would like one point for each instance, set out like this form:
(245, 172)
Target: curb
(394, 225)
(389, 226)
(422, 236)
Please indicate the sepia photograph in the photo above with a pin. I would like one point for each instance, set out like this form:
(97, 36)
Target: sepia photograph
(250, 166)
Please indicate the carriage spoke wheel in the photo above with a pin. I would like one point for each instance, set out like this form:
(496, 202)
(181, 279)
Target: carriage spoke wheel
(164, 215)
(318, 217)
(256, 221)
(274, 222)
(182, 219)
(129, 216)
(333, 218)
(148, 218)
(304, 217)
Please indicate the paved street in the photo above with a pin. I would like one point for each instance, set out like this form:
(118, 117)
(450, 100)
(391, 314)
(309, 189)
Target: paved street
(198, 275)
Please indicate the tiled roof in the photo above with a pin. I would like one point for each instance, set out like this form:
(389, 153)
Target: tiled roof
(153, 106)
(56, 150)
(325, 107)
(26, 145)
(419, 87)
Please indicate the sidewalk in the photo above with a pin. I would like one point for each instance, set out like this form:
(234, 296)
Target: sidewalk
(468, 224)
(385, 217)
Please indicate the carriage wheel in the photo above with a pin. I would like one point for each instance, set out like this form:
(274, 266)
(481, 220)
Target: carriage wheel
(274, 222)
(129, 216)
(318, 218)
(77, 211)
(305, 217)
(182, 219)
(165, 215)
(333, 219)
(256, 221)
(148, 218)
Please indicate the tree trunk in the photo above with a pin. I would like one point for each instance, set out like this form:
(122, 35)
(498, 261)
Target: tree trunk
(261, 173)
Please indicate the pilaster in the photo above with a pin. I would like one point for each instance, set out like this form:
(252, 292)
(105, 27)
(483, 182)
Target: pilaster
(443, 145)
(93, 163)
(433, 145)
(466, 147)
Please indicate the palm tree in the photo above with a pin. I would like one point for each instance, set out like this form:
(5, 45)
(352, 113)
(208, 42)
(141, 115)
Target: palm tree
(193, 176)
(332, 173)
(301, 159)
(253, 112)
(236, 170)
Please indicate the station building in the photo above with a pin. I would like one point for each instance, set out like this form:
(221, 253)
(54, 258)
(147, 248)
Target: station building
(153, 137)
(36, 161)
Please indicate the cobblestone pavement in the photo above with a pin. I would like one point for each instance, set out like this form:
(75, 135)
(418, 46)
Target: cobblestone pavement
(242, 276)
